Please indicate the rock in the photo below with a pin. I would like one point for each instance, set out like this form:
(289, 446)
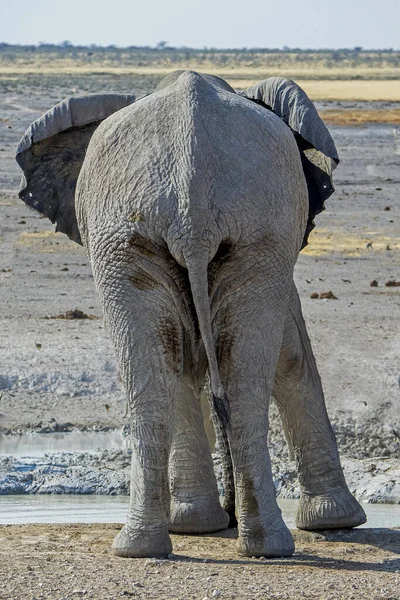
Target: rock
(373, 283)
(328, 296)
(70, 315)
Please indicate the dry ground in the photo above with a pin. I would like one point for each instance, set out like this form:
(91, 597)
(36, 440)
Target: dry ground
(356, 118)
(74, 561)
(354, 77)
(374, 90)
(354, 337)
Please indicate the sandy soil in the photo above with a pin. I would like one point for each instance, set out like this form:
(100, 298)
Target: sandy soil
(73, 561)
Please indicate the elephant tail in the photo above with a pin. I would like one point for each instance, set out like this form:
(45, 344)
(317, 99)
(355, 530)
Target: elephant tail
(198, 279)
(197, 272)
(228, 500)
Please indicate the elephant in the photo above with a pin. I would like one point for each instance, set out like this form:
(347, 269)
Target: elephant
(193, 203)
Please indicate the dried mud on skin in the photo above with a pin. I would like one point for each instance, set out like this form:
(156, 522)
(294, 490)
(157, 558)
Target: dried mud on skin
(73, 561)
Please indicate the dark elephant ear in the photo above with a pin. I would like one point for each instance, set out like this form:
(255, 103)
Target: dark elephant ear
(317, 148)
(52, 152)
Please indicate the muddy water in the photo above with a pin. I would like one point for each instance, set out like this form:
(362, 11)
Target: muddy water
(38, 444)
(44, 508)
(108, 509)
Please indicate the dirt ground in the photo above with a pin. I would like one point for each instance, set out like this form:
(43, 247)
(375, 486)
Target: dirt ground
(73, 561)
(58, 373)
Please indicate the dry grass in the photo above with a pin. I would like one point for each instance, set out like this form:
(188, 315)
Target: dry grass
(329, 75)
(229, 71)
(324, 241)
(361, 117)
(372, 90)
(326, 89)
(47, 241)
(319, 82)
(329, 64)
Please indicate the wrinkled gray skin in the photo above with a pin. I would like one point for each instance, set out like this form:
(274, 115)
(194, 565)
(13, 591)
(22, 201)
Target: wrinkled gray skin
(192, 206)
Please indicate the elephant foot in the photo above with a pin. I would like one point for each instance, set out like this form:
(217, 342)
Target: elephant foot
(139, 542)
(272, 542)
(337, 510)
(197, 517)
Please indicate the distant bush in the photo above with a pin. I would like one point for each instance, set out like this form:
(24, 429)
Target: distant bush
(162, 55)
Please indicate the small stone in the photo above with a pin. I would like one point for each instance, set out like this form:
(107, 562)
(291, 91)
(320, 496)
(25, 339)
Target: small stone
(373, 283)
(328, 296)
(387, 208)
(314, 295)
(392, 283)
(216, 593)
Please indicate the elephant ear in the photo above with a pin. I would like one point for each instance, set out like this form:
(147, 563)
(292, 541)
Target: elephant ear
(52, 152)
(317, 149)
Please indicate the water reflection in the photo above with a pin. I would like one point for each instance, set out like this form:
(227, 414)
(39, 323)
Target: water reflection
(38, 444)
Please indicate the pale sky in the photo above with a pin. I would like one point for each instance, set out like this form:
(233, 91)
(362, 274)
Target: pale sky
(199, 23)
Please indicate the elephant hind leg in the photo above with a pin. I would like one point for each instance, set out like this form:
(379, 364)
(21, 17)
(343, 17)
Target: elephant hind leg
(194, 506)
(249, 319)
(325, 501)
(145, 299)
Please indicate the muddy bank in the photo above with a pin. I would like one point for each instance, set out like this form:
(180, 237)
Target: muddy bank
(108, 472)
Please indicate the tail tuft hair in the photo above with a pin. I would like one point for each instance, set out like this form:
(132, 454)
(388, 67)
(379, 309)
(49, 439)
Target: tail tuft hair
(222, 409)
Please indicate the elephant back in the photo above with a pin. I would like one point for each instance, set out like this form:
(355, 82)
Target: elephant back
(317, 149)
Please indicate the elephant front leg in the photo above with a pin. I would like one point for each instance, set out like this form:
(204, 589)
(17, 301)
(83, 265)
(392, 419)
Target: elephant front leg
(195, 506)
(325, 501)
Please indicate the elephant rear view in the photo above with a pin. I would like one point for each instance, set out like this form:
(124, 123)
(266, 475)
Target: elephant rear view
(193, 204)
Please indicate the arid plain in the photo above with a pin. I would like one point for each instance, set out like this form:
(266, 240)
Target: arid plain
(58, 373)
